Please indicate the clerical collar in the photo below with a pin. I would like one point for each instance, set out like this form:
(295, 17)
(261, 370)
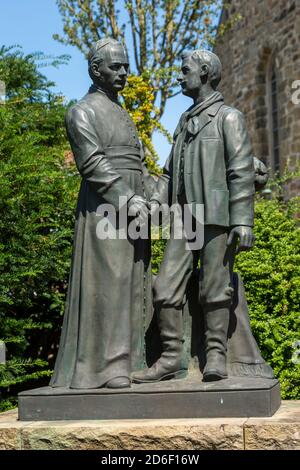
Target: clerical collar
(96, 88)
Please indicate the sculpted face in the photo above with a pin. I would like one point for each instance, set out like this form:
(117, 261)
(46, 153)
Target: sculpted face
(189, 78)
(111, 74)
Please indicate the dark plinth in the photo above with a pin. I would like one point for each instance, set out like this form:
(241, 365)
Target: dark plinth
(187, 398)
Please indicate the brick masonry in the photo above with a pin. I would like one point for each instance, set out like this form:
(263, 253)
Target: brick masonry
(269, 32)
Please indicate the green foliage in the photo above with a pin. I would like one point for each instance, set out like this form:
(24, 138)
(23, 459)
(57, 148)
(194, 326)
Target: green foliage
(20, 74)
(157, 247)
(161, 31)
(139, 101)
(271, 273)
(37, 199)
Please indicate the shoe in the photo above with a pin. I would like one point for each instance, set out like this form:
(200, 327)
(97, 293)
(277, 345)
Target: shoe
(215, 368)
(118, 382)
(169, 365)
(216, 328)
(159, 371)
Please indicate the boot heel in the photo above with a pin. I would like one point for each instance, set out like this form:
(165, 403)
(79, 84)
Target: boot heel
(213, 376)
(180, 374)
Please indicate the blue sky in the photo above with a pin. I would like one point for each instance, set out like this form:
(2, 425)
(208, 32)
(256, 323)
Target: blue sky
(31, 24)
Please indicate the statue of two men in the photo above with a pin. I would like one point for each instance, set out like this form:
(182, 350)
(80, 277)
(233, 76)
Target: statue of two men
(109, 303)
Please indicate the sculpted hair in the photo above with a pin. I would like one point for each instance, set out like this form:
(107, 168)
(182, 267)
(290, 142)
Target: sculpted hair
(212, 61)
(97, 52)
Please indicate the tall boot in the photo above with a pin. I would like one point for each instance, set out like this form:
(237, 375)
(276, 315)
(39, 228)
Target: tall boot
(168, 366)
(216, 330)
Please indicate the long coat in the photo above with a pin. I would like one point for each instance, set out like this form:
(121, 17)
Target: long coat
(213, 155)
(109, 297)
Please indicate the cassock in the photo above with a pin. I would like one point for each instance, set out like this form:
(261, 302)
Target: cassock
(108, 304)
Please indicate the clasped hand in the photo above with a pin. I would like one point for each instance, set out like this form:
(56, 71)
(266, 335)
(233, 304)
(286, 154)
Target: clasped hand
(139, 207)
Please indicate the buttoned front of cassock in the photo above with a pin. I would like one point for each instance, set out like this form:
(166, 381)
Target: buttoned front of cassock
(109, 300)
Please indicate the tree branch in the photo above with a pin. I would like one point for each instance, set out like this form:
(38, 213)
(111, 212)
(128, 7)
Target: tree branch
(186, 28)
(156, 54)
(129, 6)
(141, 17)
(86, 7)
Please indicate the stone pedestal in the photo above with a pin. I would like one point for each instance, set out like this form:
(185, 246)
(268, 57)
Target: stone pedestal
(187, 398)
(279, 432)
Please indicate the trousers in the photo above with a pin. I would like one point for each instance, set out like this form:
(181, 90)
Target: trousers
(216, 270)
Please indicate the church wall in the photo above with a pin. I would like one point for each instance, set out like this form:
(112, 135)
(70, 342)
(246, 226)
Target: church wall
(268, 33)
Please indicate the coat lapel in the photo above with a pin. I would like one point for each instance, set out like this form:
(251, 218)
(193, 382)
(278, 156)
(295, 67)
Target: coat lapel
(214, 108)
(197, 117)
(198, 122)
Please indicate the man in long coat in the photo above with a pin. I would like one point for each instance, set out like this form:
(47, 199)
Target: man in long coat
(211, 164)
(109, 292)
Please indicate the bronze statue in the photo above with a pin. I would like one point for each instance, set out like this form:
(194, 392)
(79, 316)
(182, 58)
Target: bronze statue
(109, 296)
(211, 163)
(203, 320)
(109, 303)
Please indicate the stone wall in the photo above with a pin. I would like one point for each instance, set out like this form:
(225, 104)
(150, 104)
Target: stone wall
(280, 432)
(269, 32)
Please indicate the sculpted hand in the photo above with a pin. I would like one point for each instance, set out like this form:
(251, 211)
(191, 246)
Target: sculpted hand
(245, 236)
(139, 207)
(154, 206)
